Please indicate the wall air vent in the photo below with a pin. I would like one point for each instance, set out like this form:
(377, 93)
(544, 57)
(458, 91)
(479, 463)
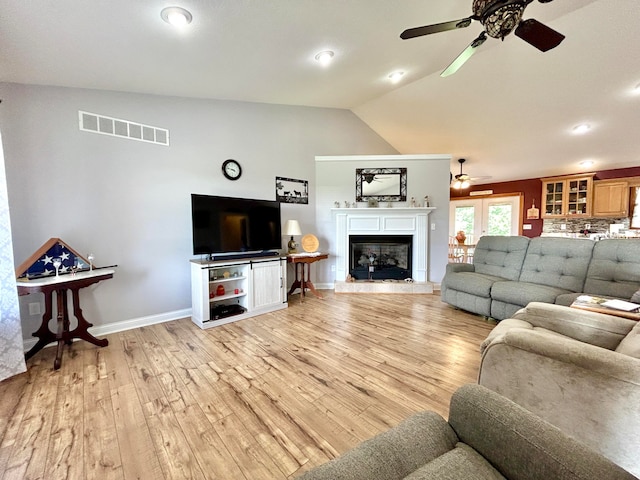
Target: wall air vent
(116, 127)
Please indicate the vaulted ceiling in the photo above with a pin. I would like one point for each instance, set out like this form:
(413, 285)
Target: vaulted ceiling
(509, 111)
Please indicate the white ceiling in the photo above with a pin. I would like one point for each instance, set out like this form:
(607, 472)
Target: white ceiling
(509, 110)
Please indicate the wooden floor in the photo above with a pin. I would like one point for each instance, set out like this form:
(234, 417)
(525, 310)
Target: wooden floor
(263, 398)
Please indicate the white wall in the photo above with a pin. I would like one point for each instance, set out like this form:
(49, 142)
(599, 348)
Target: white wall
(128, 202)
(426, 175)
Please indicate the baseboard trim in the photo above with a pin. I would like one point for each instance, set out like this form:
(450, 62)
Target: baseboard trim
(116, 327)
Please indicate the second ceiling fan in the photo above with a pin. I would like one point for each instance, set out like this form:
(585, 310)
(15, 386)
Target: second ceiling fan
(499, 18)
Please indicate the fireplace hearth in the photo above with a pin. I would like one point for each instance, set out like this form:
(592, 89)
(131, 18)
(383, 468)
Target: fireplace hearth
(380, 257)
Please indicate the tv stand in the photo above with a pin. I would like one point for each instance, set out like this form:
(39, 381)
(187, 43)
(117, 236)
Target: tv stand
(223, 291)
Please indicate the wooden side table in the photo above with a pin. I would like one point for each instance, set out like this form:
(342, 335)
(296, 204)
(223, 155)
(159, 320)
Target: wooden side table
(303, 281)
(60, 285)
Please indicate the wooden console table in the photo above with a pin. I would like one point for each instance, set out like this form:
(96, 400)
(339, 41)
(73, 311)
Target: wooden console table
(60, 285)
(303, 282)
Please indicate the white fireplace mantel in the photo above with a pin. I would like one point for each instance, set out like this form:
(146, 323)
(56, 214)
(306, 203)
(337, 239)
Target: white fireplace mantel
(383, 221)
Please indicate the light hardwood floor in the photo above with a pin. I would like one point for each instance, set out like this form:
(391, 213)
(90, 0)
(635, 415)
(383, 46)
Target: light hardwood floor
(263, 398)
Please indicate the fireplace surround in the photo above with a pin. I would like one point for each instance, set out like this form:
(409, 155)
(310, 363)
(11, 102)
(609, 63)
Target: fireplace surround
(383, 222)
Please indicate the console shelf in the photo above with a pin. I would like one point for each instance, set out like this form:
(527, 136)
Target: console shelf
(260, 284)
(226, 297)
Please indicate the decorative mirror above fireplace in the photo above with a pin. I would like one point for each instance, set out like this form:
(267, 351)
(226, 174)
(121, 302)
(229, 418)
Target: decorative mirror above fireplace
(381, 184)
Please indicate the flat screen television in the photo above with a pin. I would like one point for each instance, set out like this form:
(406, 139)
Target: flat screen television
(227, 225)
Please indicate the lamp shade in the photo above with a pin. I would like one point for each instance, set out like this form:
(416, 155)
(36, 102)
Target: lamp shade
(292, 227)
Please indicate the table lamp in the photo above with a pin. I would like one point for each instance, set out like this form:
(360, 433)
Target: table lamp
(291, 228)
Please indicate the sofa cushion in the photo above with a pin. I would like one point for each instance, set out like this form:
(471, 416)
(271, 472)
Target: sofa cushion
(461, 462)
(471, 282)
(630, 345)
(614, 269)
(500, 256)
(557, 262)
(522, 293)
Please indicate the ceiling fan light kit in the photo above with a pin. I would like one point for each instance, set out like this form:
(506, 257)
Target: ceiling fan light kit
(499, 18)
(462, 179)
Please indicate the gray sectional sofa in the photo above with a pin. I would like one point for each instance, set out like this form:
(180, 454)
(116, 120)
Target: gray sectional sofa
(510, 272)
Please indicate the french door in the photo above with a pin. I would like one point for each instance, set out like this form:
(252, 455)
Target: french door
(492, 215)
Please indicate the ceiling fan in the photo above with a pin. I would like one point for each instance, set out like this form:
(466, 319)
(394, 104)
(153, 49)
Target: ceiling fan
(462, 180)
(499, 18)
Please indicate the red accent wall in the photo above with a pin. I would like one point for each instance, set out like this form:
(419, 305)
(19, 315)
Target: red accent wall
(532, 189)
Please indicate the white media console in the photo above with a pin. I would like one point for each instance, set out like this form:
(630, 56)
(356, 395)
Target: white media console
(225, 291)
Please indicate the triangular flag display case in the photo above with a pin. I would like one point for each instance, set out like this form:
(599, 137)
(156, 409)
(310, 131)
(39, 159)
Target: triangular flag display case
(40, 264)
(46, 272)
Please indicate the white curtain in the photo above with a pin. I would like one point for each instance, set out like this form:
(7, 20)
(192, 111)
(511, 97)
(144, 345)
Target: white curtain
(11, 350)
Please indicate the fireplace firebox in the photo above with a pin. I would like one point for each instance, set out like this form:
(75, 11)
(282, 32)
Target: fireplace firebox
(380, 257)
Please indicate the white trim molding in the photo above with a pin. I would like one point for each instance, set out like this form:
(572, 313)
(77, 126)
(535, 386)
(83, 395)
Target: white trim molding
(124, 325)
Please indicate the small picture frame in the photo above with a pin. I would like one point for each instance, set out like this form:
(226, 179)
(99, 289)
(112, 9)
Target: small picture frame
(291, 190)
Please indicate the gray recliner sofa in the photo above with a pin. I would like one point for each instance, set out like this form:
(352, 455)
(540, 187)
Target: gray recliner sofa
(578, 370)
(468, 286)
(510, 272)
(487, 437)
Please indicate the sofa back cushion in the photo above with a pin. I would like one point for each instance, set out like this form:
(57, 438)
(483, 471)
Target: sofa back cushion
(500, 256)
(615, 268)
(557, 262)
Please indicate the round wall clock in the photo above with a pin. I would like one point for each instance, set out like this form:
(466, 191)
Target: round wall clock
(231, 169)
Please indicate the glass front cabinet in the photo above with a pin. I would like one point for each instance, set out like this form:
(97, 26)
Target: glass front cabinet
(568, 196)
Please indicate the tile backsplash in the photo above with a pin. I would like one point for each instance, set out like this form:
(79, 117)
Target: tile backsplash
(577, 225)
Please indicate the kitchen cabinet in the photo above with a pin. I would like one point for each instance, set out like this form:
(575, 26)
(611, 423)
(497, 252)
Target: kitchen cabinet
(610, 198)
(567, 196)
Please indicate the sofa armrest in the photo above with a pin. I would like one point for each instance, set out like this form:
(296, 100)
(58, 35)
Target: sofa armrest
(391, 455)
(605, 331)
(521, 445)
(459, 267)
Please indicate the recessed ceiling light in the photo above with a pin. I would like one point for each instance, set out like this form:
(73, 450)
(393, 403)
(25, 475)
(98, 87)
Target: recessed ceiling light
(325, 57)
(581, 129)
(176, 16)
(395, 77)
(587, 163)
(636, 89)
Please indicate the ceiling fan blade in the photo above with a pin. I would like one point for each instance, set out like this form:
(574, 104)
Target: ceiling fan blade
(539, 35)
(464, 56)
(438, 27)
